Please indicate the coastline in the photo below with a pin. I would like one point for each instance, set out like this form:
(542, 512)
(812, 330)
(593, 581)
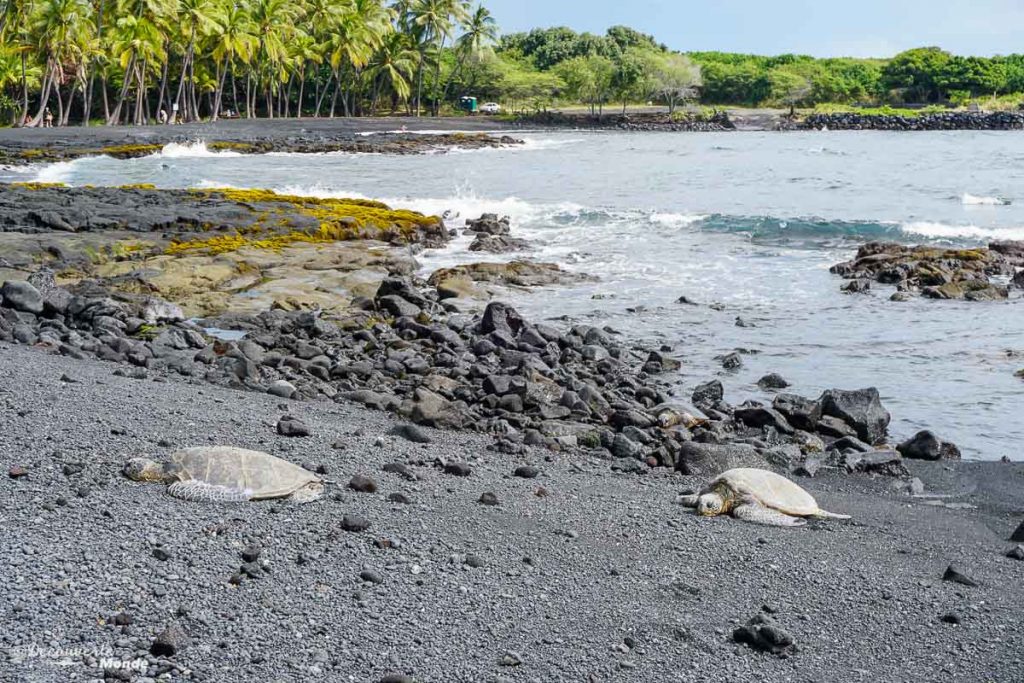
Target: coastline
(647, 590)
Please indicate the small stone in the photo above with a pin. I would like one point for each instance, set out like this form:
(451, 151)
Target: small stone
(72, 468)
(488, 498)
(732, 361)
(363, 484)
(252, 570)
(1016, 553)
(354, 523)
(17, 472)
(371, 576)
(251, 553)
(397, 678)
(526, 472)
(953, 575)
(236, 578)
(161, 554)
(171, 640)
(1018, 535)
(951, 618)
(282, 388)
(458, 469)
(475, 561)
(289, 425)
(762, 633)
(122, 619)
(411, 433)
(400, 498)
(68, 379)
(511, 658)
(401, 470)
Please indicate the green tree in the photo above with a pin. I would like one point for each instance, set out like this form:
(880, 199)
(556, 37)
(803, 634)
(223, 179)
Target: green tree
(917, 73)
(675, 79)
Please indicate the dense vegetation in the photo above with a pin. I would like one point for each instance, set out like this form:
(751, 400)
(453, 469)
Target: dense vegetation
(126, 61)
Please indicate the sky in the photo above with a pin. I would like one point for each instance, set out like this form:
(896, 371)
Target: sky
(823, 28)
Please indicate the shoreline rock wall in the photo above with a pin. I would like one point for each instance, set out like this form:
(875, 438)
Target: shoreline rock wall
(632, 122)
(954, 120)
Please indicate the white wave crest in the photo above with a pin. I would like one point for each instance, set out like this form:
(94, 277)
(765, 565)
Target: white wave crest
(973, 200)
(59, 172)
(945, 231)
(191, 150)
(675, 220)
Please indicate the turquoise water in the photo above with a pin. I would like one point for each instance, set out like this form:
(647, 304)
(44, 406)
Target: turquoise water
(749, 221)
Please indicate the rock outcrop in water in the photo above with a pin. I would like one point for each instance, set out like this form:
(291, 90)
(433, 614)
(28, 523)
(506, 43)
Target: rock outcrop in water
(954, 120)
(655, 122)
(977, 274)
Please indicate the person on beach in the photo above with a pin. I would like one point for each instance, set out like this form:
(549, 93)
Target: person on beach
(48, 119)
(162, 116)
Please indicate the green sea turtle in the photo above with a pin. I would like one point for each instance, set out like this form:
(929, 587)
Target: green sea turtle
(225, 474)
(757, 496)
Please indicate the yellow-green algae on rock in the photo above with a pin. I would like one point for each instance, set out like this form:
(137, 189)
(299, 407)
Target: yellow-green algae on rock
(280, 219)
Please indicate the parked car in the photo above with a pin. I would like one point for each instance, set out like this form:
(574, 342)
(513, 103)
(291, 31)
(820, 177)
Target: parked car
(491, 108)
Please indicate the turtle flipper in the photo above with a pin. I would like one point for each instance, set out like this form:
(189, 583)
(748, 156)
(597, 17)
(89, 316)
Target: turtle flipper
(201, 492)
(759, 514)
(824, 514)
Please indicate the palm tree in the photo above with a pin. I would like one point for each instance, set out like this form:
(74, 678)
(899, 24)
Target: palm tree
(62, 29)
(233, 37)
(479, 31)
(274, 21)
(361, 32)
(436, 20)
(139, 44)
(196, 17)
(393, 66)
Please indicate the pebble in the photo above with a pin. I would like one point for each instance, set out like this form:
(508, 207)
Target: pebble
(458, 469)
(363, 484)
(17, 472)
(955, 576)
(411, 433)
(289, 425)
(161, 554)
(170, 641)
(1016, 553)
(371, 576)
(400, 498)
(526, 472)
(488, 498)
(354, 523)
(251, 553)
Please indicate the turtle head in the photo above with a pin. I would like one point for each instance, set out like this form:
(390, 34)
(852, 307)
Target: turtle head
(710, 505)
(144, 469)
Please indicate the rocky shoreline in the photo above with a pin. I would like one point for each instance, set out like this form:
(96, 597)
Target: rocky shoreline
(405, 346)
(954, 120)
(641, 122)
(504, 464)
(382, 143)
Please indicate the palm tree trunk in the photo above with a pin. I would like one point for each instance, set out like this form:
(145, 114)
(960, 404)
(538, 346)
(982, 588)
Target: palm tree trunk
(115, 116)
(302, 90)
(163, 84)
(44, 96)
(24, 90)
(223, 67)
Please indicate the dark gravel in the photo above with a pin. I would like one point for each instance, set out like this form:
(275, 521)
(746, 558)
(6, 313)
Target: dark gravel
(603, 578)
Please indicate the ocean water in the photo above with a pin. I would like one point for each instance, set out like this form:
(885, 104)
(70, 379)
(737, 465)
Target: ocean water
(748, 221)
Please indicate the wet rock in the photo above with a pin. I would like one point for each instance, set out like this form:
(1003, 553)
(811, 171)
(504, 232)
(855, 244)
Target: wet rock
(732, 361)
(772, 381)
(926, 446)
(802, 413)
(489, 499)
(955, 576)
(763, 633)
(1018, 535)
(861, 409)
(290, 425)
(489, 224)
(1016, 553)
(951, 618)
(708, 394)
(759, 416)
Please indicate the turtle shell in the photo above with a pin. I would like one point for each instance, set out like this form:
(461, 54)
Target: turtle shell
(768, 488)
(258, 474)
